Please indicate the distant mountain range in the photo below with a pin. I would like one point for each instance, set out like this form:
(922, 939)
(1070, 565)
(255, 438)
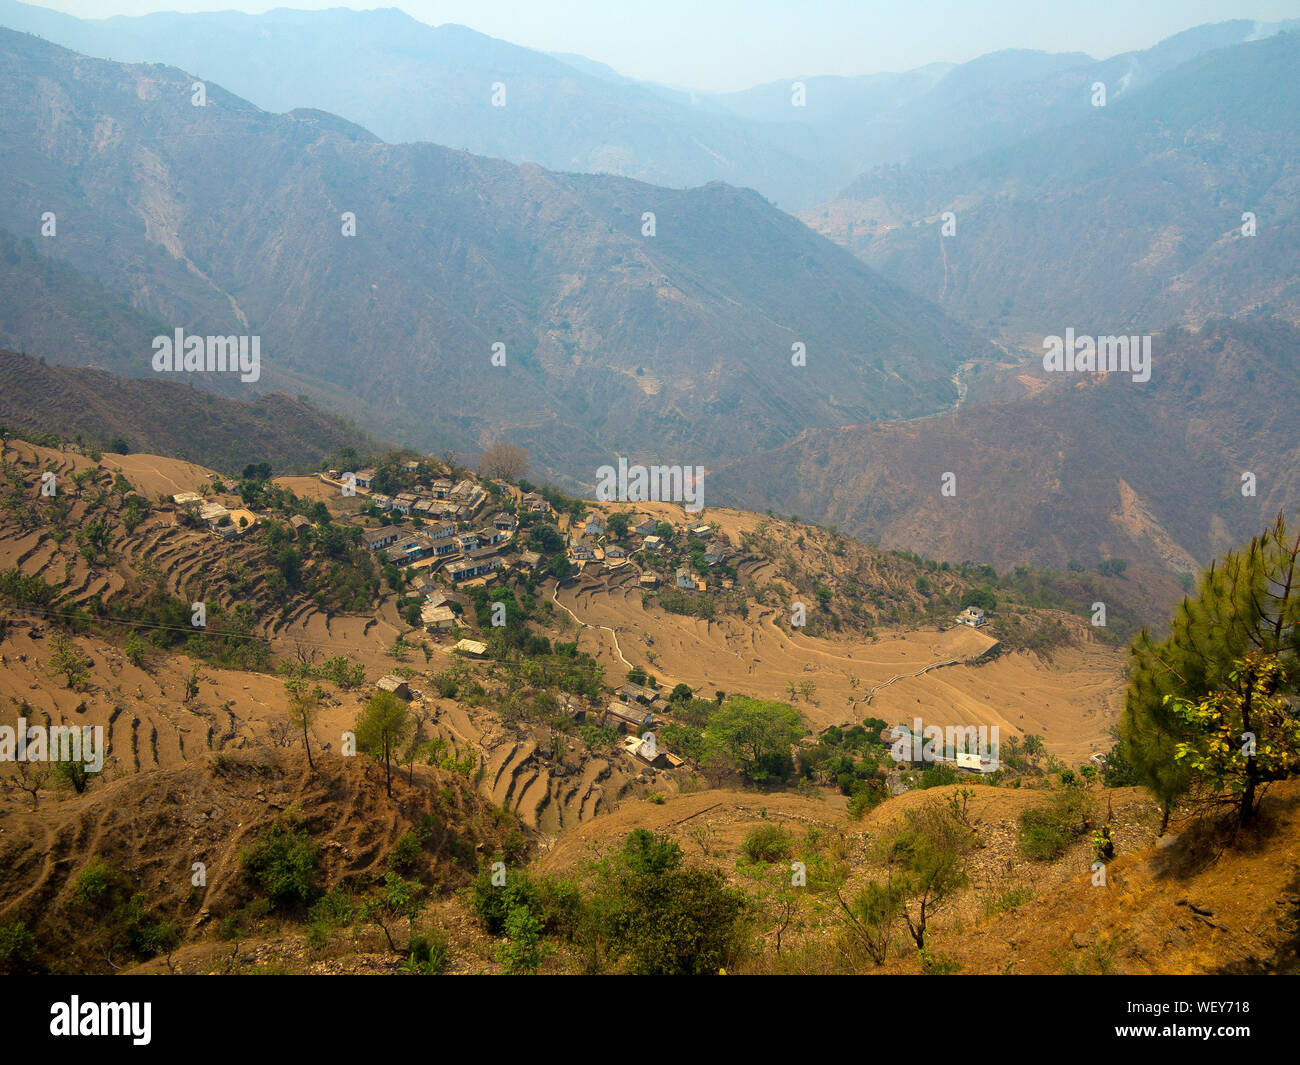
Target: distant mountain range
(660, 323)
(1133, 217)
(1077, 468)
(677, 346)
(406, 81)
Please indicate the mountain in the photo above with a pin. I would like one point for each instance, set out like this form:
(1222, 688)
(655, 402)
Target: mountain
(1129, 219)
(1077, 470)
(225, 220)
(52, 311)
(168, 418)
(408, 81)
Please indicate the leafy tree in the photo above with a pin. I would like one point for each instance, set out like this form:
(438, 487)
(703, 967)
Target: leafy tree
(547, 539)
(397, 899)
(68, 660)
(304, 705)
(755, 737)
(73, 773)
(1244, 737)
(617, 526)
(983, 598)
(382, 727)
(680, 922)
(1248, 602)
(927, 854)
(871, 916)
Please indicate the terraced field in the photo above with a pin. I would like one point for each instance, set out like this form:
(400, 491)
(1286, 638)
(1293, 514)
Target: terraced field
(1071, 701)
(551, 794)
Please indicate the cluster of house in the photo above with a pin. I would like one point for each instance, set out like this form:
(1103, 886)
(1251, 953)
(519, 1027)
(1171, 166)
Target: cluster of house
(439, 499)
(950, 746)
(633, 713)
(460, 556)
(588, 545)
(227, 522)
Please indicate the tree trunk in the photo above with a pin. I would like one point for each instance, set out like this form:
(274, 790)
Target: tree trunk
(306, 746)
(1247, 809)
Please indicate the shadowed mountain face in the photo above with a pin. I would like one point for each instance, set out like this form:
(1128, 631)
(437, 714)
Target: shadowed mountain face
(164, 417)
(673, 343)
(407, 81)
(1080, 468)
(1135, 217)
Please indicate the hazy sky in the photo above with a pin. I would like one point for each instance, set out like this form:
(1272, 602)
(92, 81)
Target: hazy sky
(733, 44)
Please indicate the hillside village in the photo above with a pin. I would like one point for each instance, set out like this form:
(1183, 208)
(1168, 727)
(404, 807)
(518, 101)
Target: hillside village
(452, 537)
(598, 704)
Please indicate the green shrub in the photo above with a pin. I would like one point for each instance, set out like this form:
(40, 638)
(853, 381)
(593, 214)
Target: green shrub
(429, 953)
(122, 919)
(523, 950)
(768, 843)
(646, 853)
(1046, 831)
(283, 863)
(492, 904)
(406, 853)
(17, 948)
(681, 922)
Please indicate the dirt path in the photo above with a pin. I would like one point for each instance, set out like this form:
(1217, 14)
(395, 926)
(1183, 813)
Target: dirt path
(905, 676)
(617, 649)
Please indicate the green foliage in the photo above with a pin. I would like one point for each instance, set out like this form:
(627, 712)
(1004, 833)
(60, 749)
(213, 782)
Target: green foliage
(768, 843)
(429, 953)
(17, 948)
(492, 904)
(406, 853)
(684, 740)
(1008, 900)
(1046, 831)
(68, 661)
(647, 854)
(983, 598)
(1247, 602)
(122, 919)
(871, 916)
(1245, 736)
(282, 861)
(383, 726)
(684, 921)
(754, 737)
(523, 950)
(927, 853)
(395, 900)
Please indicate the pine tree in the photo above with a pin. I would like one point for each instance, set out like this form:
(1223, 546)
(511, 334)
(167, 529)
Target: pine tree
(1246, 602)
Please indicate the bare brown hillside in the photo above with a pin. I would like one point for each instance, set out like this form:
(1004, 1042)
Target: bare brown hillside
(155, 825)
